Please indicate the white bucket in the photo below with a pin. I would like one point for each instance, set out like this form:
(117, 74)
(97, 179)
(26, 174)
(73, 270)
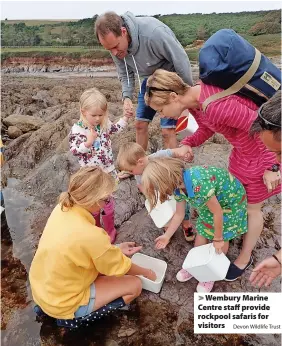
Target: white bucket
(191, 128)
(163, 212)
(205, 264)
(157, 265)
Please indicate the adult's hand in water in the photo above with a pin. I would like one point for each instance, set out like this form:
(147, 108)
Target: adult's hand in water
(266, 271)
(185, 153)
(161, 241)
(129, 248)
(127, 108)
(271, 180)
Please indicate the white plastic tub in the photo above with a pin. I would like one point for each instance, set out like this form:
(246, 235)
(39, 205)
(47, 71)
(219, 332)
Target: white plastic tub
(163, 212)
(205, 264)
(157, 265)
(191, 128)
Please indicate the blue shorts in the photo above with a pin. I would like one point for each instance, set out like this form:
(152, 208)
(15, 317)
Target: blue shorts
(84, 310)
(146, 113)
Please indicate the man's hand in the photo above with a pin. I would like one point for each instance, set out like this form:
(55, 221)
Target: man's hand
(271, 180)
(127, 108)
(91, 137)
(161, 241)
(265, 272)
(129, 248)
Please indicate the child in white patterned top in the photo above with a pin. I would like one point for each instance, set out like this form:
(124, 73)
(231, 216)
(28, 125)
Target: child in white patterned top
(90, 141)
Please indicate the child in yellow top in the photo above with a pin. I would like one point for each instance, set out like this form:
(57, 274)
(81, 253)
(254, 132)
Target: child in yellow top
(132, 158)
(73, 252)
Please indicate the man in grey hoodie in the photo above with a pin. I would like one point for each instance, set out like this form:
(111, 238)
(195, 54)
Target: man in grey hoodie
(139, 46)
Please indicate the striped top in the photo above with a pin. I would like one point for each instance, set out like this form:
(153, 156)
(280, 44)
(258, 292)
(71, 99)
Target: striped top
(232, 117)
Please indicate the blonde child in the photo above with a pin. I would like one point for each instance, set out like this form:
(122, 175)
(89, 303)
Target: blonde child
(132, 158)
(218, 196)
(76, 270)
(90, 141)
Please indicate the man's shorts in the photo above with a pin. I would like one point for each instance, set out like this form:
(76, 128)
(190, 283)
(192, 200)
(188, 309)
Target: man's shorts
(146, 113)
(84, 310)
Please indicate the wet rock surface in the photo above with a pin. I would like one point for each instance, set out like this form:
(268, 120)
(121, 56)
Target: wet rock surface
(41, 164)
(24, 123)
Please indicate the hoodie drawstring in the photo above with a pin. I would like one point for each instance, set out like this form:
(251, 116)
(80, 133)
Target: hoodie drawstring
(127, 75)
(137, 72)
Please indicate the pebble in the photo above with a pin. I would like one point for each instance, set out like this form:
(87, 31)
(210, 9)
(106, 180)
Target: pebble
(126, 332)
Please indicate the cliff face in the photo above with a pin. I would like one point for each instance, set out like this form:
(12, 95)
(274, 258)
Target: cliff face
(54, 64)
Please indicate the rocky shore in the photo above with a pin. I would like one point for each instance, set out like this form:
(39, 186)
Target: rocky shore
(37, 114)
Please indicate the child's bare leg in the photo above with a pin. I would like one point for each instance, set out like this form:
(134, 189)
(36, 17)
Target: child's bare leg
(109, 288)
(200, 240)
(225, 247)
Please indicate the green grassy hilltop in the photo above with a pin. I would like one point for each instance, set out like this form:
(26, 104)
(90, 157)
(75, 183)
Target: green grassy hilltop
(76, 37)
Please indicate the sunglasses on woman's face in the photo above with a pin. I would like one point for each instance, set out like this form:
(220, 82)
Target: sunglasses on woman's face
(150, 89)
(265, 124)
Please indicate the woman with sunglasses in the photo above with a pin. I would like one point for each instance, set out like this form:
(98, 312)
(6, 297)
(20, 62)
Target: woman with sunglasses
(76, 270)
(250, 161)
(268, 126)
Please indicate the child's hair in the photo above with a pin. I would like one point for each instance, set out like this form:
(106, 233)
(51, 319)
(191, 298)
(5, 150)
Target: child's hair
(94, 98)
(161, 177)
(87, 187)
(165, 80)
(129, 154)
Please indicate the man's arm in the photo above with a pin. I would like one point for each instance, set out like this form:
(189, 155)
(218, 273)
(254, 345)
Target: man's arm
(165, 44)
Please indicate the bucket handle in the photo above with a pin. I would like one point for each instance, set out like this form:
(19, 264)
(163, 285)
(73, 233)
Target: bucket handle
(211, 249)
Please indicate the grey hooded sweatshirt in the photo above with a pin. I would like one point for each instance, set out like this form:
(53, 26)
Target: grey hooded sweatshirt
(153, 46)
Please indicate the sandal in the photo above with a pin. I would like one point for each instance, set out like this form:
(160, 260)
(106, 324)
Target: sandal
(205, 287)
(189, 233)
(183, 275)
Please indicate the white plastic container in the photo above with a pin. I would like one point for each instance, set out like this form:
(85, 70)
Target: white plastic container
(205, 264)
(157, 265)
(163, 212)
(191, 128)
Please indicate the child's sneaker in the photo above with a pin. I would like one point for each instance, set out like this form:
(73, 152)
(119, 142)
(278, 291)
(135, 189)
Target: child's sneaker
(183, 275)
(205, 287)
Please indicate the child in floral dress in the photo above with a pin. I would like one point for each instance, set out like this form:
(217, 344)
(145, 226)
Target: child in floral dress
(218, 196)
(90, 141)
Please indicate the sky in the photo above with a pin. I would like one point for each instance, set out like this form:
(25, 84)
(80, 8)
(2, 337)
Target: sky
(85, 9)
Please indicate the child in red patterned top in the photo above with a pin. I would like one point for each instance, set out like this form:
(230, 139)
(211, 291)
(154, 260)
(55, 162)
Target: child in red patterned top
(90, 141)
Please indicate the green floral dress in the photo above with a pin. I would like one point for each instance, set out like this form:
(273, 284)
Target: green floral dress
(202, 183)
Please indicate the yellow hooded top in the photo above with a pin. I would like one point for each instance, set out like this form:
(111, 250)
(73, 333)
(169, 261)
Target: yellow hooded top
(71, 253)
